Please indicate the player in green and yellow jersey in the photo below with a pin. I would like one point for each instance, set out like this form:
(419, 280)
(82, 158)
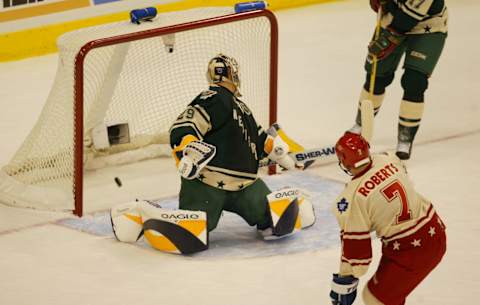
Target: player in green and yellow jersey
(217, 145)
(418, 30)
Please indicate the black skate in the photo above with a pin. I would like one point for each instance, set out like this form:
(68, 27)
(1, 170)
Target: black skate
(404, 149)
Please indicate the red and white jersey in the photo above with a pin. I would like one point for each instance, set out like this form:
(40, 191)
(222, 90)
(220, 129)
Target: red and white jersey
(382, 200)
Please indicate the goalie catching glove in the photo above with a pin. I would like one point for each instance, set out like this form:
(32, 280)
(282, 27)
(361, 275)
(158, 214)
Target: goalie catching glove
(277, 150)
(196, 156)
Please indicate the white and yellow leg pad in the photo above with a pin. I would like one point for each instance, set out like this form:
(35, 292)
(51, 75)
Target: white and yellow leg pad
(174, 231)
(284, 210)
(126, 222)
(307, 212)
(290, 210)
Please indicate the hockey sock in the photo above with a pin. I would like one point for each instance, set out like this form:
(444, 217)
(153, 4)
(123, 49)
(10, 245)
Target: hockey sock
(409, 120)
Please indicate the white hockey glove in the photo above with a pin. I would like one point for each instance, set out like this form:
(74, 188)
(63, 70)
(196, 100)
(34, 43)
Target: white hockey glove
(278, 150)
(196, 156)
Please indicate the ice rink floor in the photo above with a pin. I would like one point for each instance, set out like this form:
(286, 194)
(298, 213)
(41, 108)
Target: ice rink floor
(51, 258)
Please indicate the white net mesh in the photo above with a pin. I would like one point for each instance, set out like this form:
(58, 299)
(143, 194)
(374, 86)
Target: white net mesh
(139, 83)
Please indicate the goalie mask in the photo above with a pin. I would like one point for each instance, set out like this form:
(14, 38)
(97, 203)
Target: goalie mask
(223, 68)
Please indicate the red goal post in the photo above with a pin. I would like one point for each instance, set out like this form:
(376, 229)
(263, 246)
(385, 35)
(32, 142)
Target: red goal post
(79, 78)
(120, 86)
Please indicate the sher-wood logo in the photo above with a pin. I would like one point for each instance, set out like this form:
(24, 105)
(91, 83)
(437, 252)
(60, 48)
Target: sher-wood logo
(308, 155)
(14, 3)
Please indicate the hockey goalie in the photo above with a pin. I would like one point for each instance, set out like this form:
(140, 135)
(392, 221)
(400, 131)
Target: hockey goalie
(217, 145)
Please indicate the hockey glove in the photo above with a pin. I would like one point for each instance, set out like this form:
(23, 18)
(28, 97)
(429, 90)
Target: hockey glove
(344, 290)
(375, 4)
(385, 44)
(196, 156)
(278, 150)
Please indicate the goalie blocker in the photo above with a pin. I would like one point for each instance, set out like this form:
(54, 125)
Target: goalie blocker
(172, 231)
(192, 155)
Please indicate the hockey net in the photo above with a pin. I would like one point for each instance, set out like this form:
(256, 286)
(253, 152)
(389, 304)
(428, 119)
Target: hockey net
(120, 86)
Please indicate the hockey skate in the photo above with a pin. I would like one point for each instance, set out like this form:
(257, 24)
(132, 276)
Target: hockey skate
(404, 149)
(406, 135)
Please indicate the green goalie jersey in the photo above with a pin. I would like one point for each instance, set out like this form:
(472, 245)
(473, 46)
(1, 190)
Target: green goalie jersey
(217, 117)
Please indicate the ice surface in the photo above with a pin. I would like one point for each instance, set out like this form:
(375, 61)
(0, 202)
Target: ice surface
(46, 260)
(234, 239)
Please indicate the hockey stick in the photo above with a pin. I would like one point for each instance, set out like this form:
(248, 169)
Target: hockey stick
(366, 106)
(366, 117)
(307, 156)
(375, 59)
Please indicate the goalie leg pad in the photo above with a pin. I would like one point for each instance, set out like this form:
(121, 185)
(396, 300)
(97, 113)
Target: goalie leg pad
(284, 211)
(279, 199)
(306, 211)
(126, 222)
(288, 220)
(174, 231)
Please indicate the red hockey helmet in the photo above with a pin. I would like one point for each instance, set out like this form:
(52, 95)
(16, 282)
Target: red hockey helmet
(352, 151)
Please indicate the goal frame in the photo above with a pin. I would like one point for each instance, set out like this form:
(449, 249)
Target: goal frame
(78, 131)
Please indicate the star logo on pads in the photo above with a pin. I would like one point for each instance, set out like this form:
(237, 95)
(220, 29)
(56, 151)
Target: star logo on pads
(342, 205)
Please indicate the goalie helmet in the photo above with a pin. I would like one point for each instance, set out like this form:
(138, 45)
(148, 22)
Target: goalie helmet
(223, 68)
(353, 151)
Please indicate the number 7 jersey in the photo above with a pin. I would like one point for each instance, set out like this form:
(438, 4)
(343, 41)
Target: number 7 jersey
(382, 200)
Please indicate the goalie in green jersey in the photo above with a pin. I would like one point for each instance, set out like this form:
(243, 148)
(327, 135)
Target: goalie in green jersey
(217, 145)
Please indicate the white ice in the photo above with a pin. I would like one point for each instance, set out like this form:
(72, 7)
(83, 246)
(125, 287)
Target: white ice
(322, 48)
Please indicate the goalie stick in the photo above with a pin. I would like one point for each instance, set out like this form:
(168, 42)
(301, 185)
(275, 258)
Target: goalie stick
(307, 156)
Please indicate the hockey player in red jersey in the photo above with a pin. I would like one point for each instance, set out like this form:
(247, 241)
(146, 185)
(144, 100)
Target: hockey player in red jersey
(381, 198)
